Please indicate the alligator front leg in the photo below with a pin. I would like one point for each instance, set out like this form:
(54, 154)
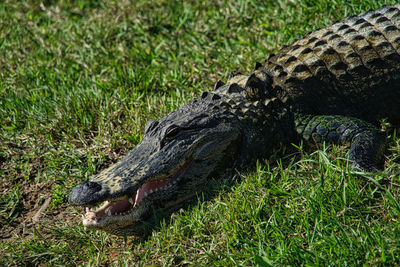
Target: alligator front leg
(367, 143)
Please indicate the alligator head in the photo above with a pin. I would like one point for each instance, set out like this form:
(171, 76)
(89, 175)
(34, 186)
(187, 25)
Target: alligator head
(177, 157)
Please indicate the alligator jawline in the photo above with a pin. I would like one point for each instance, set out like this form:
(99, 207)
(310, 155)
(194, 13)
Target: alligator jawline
(128, 205)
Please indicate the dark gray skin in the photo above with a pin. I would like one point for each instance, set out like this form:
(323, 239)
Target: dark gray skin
(335, 85)
(208, 138)
(203, 136)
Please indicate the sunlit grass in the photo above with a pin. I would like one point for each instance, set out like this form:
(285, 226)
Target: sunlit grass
(80, 79)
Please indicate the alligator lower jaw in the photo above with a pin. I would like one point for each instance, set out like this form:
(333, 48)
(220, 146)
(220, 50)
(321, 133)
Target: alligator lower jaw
(129, 210)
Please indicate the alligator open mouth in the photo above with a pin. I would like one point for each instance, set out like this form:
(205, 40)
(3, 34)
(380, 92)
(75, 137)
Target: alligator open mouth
(128, 205)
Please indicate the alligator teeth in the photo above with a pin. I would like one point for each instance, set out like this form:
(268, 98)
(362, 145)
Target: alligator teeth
(130, 200)
(109, 213)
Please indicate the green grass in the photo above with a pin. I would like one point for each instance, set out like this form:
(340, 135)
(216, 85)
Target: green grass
(79, 80)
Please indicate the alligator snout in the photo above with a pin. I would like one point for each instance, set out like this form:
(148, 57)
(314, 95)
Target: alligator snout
(85, 194)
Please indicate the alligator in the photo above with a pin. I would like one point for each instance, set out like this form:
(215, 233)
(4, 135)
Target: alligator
(335, 85)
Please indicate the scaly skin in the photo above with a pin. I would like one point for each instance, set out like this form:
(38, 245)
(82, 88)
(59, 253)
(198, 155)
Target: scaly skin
(334, 85)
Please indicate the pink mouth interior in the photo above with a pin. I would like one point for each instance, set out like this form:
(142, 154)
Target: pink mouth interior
(122, 206)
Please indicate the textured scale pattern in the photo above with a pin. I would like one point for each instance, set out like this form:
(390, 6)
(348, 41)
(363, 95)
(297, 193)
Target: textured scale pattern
(334, 85)
(330, 69)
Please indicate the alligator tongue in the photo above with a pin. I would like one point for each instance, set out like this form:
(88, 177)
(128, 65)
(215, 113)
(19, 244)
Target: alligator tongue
(120, 206)
(148, 188)
(151, 186)
(123, 205)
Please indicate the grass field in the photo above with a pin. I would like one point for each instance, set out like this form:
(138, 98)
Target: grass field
(79, 80)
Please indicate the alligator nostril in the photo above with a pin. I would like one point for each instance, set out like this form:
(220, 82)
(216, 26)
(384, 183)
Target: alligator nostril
(91, 186)
(84, 193)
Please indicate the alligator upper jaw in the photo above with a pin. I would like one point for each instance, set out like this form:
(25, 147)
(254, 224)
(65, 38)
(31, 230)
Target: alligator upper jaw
(130, 209)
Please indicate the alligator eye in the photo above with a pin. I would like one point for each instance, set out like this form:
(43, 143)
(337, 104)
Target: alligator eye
(172, 131)
(169, 134)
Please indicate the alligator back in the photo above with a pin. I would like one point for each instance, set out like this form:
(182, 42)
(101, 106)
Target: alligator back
(351, 68)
